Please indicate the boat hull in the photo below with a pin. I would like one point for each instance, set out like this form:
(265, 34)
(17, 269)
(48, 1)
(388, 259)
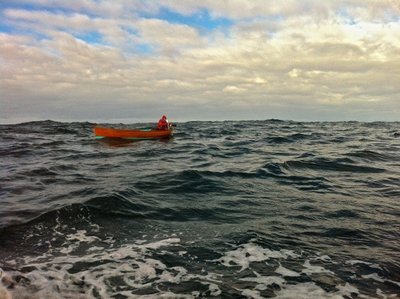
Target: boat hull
(101, 132)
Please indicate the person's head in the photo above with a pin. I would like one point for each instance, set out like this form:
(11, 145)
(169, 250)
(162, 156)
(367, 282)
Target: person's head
(163, 117)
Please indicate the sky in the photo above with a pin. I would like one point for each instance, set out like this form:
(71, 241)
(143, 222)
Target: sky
(134, 60)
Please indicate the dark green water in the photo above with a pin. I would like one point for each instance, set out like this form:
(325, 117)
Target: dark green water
(252, 209)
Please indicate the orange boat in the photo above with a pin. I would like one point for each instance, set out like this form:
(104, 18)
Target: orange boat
(138, 134)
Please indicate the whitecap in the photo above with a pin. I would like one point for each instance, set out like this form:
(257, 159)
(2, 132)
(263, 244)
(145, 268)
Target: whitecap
(286, 272)
(310, 269)
(310, 290)
(250, 252)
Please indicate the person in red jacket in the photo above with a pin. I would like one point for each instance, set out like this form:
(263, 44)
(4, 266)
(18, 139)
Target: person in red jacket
(163, 123)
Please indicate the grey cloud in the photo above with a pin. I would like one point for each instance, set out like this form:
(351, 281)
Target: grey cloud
(321, 68)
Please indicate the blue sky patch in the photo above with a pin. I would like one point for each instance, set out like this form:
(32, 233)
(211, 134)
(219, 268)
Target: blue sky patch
(202, 20)
(92, 37)
(144, 49)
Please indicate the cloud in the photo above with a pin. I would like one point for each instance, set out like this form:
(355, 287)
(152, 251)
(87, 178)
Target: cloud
(271, 61)
(244, 9)
(170, 37)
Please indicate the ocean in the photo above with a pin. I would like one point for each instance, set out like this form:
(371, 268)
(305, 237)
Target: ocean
(230, 209)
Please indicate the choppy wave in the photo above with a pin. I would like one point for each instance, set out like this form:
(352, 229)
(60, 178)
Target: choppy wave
(251, 209)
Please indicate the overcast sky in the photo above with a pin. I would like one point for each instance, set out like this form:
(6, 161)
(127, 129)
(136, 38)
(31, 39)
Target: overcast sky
(132, 61)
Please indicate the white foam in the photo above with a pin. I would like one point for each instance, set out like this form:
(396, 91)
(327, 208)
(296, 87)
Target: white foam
(169, 295)
(95, 227)
(135, 260)
(145, 271)
(138, 267)
(310, 269)
(4, 293)
(347, 289)
(81, 236)
(286, 272)
(196, 294)
(388, 296)
(173, 274)
(376, 277)
(310, 290)
(373, 276)
(140, 241)
(214, 289)
(68, 249)
(355, 262)
(324, 258)
(251, 294)
(248, 253)
(262, 282)
(289, 253)
(95, 249)
(74, 240)
(161, 243)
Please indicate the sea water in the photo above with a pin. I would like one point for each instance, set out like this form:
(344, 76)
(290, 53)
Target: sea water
(249, 209)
